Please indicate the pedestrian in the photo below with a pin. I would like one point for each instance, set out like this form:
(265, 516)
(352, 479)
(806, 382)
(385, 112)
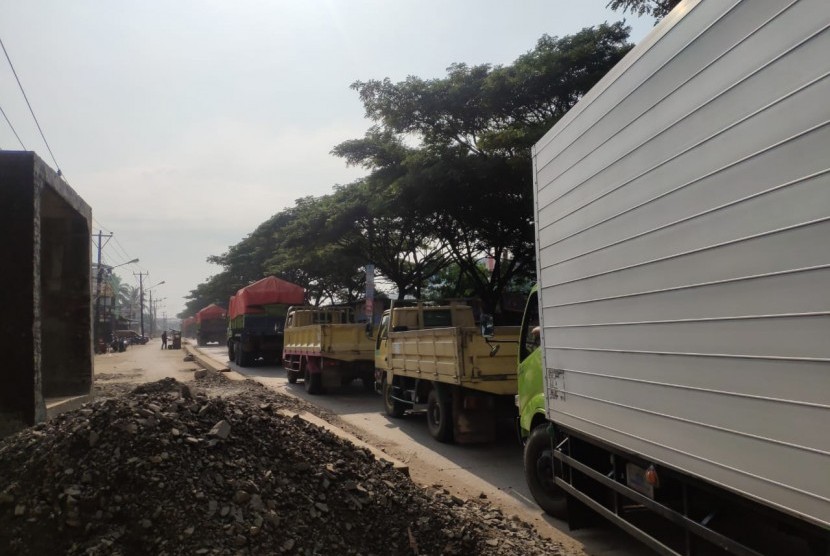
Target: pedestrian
(164, 340)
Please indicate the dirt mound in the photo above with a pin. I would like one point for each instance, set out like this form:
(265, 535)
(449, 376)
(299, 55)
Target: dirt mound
(166, 469)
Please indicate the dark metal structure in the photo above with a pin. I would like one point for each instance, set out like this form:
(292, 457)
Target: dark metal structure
(46, 334)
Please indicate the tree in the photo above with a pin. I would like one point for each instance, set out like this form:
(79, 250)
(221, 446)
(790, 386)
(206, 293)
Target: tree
(121, 293)
(470, 178)
(460, 195)
(654, 8)
(133, 301)
(217, 289)
(242, 264)
(363, 223)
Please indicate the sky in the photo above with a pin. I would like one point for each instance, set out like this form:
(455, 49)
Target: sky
(185, 124)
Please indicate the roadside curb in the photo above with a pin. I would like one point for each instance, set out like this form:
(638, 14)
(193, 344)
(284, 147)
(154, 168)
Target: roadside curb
(214, 365)
(55, 407)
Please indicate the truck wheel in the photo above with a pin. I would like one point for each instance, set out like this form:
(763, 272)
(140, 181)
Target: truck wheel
(394, 408)
(237, 353)
(293, 376)
(439, 416)
(538, 463)
(313, 383)
(231, 352)
(245, 358)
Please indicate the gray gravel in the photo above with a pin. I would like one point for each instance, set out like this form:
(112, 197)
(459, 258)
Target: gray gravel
(210, 467)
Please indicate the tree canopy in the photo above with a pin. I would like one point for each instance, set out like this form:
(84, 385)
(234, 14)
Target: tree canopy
(448, 184)
(657, 9)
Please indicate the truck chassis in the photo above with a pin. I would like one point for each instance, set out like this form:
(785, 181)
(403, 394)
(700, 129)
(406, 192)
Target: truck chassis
(453, 413)
(320, 372)
(683, 516)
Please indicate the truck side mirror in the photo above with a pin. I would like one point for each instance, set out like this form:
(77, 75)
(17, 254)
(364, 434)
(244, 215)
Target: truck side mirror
(487, 326)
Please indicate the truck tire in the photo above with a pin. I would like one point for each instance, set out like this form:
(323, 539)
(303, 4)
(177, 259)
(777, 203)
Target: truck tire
(313, 382)
(245, 358)
(394, 408)
(293, 376)
(439, 416)
(241, 357)
(538, 464)
(231, 351)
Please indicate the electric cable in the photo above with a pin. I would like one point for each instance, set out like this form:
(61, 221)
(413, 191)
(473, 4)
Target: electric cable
(13, 130)
(45, 142)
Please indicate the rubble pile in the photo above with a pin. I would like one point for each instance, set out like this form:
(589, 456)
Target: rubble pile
(167, 469)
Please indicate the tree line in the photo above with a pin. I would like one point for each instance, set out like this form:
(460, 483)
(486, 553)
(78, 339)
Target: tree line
(446, 207)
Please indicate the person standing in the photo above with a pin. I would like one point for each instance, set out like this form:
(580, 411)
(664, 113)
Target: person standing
(164, 340)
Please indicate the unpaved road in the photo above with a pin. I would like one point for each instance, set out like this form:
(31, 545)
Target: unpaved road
(470, 471)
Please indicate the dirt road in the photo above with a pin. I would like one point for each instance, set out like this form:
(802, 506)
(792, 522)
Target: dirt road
(493, 471)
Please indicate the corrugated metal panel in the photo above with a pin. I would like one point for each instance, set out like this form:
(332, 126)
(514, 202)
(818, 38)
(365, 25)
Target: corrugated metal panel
(683, 227)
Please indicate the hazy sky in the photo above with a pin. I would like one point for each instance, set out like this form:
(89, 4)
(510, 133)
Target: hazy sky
(185, 124)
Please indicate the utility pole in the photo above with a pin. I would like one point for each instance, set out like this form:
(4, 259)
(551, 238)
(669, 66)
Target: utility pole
(154, 308)
(141, 276)
(96, 329)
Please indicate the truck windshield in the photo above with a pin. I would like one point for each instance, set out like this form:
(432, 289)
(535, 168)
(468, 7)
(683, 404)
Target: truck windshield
(529, 339)
(437, 319)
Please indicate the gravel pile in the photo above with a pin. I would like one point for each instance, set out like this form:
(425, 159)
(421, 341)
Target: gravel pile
(169, 469)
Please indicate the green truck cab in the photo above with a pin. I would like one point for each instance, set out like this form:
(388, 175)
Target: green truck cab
(532, 423)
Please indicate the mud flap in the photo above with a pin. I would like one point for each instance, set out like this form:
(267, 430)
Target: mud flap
(474, 417)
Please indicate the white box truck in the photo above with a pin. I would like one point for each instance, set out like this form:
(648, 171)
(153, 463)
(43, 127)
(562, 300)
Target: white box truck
(683, 257)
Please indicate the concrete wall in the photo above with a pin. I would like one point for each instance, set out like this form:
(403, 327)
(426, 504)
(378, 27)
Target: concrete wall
(46, 336)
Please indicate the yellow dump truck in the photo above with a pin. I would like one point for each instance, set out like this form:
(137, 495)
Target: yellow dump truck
(435, 357)
(326, 348)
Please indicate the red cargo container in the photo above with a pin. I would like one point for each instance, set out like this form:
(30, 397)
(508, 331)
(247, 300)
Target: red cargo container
(257, 319)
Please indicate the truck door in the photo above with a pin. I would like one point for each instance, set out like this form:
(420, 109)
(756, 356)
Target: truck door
(530, 400)
(382, 343)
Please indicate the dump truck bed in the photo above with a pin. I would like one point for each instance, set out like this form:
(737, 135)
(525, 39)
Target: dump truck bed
(457, 355)
(343, 342)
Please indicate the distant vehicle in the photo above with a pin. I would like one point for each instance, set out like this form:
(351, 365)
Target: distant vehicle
(257, 319)
(174, 339)
(118, 344)
(436, 358)
(132, 337)
(211, 325)
(327, 348)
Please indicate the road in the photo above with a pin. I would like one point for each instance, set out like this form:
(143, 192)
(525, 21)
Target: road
(492, 470)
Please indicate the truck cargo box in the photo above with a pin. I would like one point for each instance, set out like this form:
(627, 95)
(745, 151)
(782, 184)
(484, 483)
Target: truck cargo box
(325, 347)
(458, 356)
(682, 219)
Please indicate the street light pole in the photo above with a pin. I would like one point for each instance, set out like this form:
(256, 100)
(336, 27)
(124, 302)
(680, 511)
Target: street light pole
(96, 330)
(141, 276)
(154, 310)
(150, 289)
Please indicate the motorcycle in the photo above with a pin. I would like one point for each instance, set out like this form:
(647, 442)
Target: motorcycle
(118, 344)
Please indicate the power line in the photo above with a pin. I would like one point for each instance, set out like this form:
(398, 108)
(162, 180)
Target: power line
(13, 130)
(19, 84)
(116, 246)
